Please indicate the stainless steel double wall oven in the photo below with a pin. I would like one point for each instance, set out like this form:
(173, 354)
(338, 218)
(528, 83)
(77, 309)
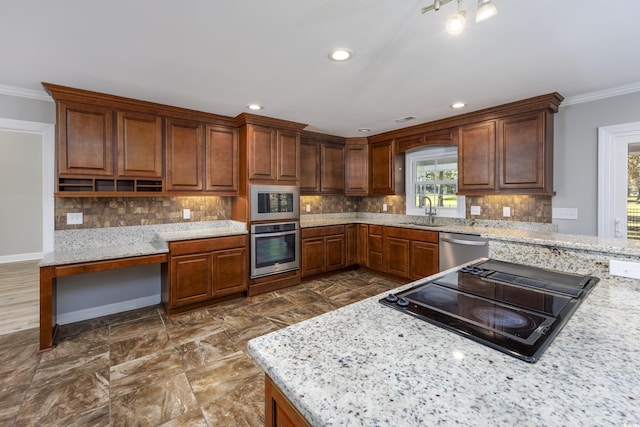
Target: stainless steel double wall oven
(275, 246)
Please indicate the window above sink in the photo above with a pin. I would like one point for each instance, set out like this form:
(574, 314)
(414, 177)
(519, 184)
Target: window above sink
(432, 173)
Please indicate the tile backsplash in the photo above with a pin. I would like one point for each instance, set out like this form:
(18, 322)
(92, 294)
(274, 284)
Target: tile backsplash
(99, 212)
(126, 211)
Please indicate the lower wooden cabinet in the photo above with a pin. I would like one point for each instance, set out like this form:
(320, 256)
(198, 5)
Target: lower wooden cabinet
(278, 410)
(351, 240)
(323, 249)
(204, 269)
(423, 260)
(374, 248)
(410, 253)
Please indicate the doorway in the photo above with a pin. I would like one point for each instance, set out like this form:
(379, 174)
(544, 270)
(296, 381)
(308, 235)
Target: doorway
(615, 144)
(27, 189)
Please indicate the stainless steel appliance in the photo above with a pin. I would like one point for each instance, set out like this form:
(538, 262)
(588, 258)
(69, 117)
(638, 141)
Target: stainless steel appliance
(275, 248)
(513, 308)
(274, 202)
(456, 249)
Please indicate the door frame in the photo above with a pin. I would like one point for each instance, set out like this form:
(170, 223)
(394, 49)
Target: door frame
(613, 143)
(47, 131)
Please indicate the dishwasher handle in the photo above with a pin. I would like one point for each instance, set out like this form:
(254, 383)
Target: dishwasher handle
(463, 242)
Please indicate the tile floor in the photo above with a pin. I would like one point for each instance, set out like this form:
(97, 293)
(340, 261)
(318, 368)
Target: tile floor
(141, 368)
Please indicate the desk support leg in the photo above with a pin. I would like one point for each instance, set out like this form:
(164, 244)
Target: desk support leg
(48, 307)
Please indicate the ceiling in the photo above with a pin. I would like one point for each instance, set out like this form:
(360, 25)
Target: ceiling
(219, 56)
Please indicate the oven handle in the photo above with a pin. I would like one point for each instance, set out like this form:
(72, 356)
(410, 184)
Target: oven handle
(463, 242)
(278, 233)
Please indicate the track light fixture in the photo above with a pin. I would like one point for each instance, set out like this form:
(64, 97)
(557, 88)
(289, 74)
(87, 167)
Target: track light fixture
(455, 24)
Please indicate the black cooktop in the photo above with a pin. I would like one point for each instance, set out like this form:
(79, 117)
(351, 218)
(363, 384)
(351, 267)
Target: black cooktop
(513, 308)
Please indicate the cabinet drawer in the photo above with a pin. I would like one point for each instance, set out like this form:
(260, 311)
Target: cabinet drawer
(322, 231)
(375, 229)
(412, 234)
(206, 245)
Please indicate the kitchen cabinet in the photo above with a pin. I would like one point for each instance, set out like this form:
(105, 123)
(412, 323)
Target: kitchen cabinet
(476, 157)
(423, 258)
(386, 169)
(184, 142)
(525, 153)
(396, 256)
(273, 154)
(410, 253)
(351, 241)
(362, 246)
(278, 410)
(139, 145)
(202, 270)
(374, 248)
(323, 249)
(221, 159)
(322, 161)
(356, 168)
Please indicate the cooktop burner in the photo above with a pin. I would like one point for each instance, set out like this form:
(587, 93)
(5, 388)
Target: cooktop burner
(514, 308)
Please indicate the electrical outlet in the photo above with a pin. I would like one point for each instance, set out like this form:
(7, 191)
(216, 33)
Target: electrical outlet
(384, 207)
(565, 213)
(74, 218)
(624, 268)
(506, 211)
(475, 210)
(308, 207)
(186, 213)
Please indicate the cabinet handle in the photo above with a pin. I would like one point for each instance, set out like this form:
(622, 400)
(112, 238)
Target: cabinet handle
(463, 242)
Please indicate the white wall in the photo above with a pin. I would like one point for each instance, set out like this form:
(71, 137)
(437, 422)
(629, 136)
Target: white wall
(21, 193)
(576, 156)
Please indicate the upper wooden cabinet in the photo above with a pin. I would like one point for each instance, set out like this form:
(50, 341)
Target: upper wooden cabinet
(139, 145)
(356, 167)
(386, 169)
(269, 149)
(476, 157)
(184, 141)
(525, 152)
(322, 164)
(109, 145)
(85, 140)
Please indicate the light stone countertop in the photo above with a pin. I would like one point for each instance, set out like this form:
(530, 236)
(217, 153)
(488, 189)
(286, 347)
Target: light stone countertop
(98, 244)
(369, 365)
(527, 233)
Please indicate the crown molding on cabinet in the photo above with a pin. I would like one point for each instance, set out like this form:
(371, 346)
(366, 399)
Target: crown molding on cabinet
(25, 93)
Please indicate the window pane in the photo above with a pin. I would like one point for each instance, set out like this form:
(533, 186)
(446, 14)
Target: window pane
(425, 170)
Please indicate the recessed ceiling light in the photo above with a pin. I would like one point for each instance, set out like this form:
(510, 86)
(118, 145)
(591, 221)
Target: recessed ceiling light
(340, 55)
(458, 105)
(255, 107)
(364, 130)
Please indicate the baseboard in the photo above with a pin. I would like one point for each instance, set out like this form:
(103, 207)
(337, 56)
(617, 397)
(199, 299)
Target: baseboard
(20, 257)
(90, 313)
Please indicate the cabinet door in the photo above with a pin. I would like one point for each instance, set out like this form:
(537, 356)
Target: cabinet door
(356, 181)
(363, 246)
(184, 155)
(288, 165)
(332, 168)
(374, 245)
(139, 145)
(221, 159)
(309, 167)
(351, 242)
(312, 251)
(334, 257)
(424, 259)
(476, 156)
(85, 140)
(521, 151)
(261, 143)
(397, 256)
(229, 271)
(190, 279)
(382, 164)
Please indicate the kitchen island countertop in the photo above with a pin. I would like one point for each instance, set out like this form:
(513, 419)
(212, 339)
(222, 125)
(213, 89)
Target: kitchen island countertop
(369, 365)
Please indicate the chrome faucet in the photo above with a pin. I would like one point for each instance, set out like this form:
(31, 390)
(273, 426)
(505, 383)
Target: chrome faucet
(429, 212)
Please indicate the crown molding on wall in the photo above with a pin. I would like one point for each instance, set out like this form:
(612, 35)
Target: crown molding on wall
(601, 94)
(25, 93)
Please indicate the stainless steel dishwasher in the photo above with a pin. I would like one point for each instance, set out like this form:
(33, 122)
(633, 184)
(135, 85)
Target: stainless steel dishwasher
(458, 248)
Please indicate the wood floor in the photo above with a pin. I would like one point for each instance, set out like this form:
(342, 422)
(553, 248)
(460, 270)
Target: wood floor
(19, 296)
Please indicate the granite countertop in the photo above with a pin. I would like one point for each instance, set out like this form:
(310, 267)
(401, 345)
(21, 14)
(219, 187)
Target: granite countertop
(530, 233)
(98, 244)
(368, 365)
